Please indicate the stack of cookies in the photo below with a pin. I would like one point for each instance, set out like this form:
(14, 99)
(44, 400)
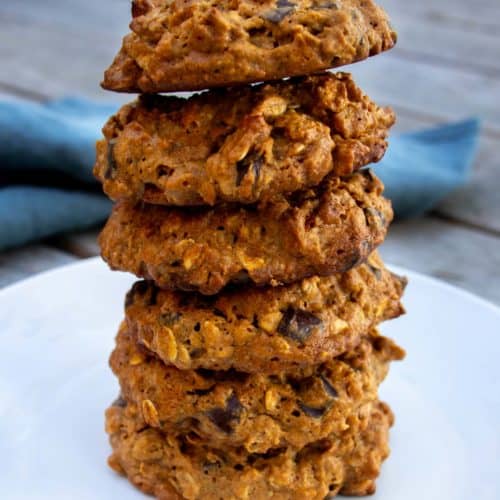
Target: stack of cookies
(249, 359)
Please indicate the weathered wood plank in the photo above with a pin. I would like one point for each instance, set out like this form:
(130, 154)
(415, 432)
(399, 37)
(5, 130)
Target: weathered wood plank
(435, 39)
(63, 49)
(21, 263)
(460, 256)
(479, 15)
(439, 92)
(472, 52)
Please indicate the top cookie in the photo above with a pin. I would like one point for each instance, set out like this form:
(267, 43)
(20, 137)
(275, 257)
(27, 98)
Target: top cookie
(180, 45)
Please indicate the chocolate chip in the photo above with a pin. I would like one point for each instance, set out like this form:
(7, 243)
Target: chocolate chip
(111, 165)
(353, 259)
(138, 288)
(311, 411)
(298, 324)
(284, 7)
(252, 160)
(169, 318)
(224, 418)
(329, 389)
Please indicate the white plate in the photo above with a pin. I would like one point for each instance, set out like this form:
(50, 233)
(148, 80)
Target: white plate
(57, 331)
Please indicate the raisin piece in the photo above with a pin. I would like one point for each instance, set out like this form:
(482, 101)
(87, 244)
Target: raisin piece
(298, 324)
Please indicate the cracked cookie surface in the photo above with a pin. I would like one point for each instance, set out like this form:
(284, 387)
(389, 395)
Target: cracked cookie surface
(171, 466)
(240, 145)
(255, 411)
(266, 330)
(178, 45)
(324, 230)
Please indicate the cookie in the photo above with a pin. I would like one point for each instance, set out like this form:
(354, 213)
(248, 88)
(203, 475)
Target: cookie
(240, 145)
(265, 330)
(324, 230)
(171, 466)
(255, 411)
(190, 45)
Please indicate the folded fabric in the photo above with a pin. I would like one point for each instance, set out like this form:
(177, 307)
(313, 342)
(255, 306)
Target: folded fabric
(47, 154)
(421, 168)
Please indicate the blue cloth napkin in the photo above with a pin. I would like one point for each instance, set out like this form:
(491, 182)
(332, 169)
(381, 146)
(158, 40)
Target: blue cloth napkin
(47, 154)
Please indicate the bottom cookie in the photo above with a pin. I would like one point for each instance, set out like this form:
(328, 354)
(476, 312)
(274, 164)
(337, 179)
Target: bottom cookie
(175, 467)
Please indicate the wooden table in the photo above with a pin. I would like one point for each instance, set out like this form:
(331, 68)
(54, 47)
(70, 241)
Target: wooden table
(446, 66)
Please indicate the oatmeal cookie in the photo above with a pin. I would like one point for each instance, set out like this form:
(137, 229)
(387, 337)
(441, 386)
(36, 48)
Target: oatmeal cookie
(173, 466)
(256, 411)
(177, 45)
(265, 330)
(324, 230)
(240, 145)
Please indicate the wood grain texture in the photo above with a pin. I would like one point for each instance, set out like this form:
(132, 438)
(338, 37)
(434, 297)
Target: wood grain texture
(463, 257)
(431, 34)
(442, 93)
(61, 47)
(477, 16)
